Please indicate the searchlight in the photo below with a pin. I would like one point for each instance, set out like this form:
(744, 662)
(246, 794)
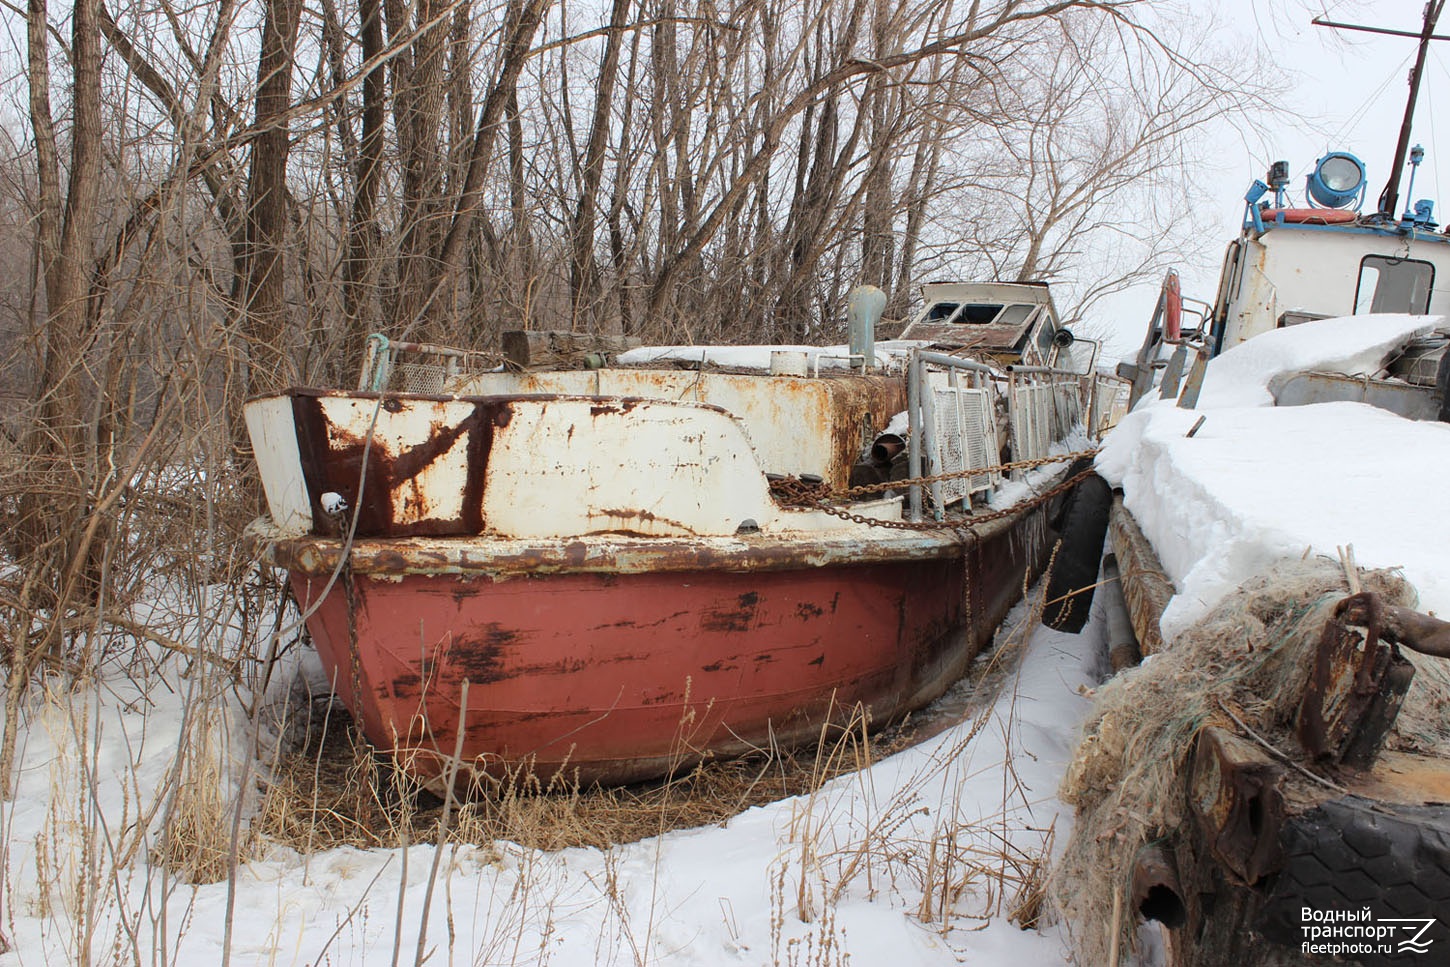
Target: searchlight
(1337, 181)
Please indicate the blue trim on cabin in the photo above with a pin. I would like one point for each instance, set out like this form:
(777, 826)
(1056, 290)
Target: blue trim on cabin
(1394, 233)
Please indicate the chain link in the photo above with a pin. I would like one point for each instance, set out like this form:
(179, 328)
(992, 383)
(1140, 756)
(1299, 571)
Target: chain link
(790, 490)
(865, 489)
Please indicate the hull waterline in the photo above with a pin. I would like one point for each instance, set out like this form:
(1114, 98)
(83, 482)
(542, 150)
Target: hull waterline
(620, 676)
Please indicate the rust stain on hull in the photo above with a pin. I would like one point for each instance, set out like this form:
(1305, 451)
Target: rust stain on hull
(333, 460)
(618, 677)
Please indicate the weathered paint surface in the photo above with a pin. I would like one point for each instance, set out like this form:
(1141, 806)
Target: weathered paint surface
(814, 425)
(279, 462)
(626, 675)
(796, 545)
(413, 466)
(557, 466)
(660, 468)
(1294, 268)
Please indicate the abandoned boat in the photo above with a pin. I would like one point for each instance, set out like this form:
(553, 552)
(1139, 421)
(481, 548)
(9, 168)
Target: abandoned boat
(629, 567)
(1304, 788)
(1290, 266)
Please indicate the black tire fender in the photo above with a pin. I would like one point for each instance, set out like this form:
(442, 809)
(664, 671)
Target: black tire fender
(1082, 526)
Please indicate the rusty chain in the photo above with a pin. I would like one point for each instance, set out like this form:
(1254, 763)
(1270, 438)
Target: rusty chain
(877, 488)
(816, 495)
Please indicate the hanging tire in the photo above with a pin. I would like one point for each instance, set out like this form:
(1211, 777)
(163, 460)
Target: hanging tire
(1082, 528)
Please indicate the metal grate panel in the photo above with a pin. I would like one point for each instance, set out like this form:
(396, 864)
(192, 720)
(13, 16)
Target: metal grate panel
(394, 366)
(966, 438)
(418, 377)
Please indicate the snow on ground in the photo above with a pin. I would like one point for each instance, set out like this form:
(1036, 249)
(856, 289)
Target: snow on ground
(857, 857)
(1257, 484)
(804, 881)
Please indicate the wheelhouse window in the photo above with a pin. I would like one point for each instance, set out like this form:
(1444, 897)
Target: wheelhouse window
(1045, 336)
(979, 314)
(1393, 285)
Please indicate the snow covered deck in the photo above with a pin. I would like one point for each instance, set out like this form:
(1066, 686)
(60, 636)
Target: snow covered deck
(1257, 484)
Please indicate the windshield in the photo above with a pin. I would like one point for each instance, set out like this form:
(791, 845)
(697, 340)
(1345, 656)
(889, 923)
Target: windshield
(1393, 285)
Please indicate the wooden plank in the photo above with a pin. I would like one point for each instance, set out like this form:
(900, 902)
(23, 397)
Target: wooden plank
(1145, 587)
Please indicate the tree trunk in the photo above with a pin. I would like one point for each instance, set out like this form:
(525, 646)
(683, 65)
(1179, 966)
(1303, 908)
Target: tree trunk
(55, 542)
(418, 114)
(359, 270)
(584, 265)
(265, 295)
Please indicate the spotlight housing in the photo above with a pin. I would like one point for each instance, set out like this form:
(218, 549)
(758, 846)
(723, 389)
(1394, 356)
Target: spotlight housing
(1337, 181)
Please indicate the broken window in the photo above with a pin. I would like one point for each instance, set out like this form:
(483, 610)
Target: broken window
(1393, 285)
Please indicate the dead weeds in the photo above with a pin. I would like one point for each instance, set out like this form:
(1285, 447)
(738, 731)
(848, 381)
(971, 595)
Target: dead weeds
(335, 791)
(331, 789)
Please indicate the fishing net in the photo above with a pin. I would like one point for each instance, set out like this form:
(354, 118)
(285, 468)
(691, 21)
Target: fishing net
(1253, 655)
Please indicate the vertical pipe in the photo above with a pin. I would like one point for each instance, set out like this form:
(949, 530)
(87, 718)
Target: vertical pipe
(1014, 423)
(913, 437)
(930, 442)
(864, 306)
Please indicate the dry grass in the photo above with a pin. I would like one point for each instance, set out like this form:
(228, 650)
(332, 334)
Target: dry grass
(196, 842)
(333, 791)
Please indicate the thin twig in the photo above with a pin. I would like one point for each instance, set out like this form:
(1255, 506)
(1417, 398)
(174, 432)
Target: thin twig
(1282, 757)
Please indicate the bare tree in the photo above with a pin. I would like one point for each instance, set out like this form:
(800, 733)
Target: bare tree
(239, 205)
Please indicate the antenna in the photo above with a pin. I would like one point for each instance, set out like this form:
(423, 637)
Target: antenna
(1390, 198)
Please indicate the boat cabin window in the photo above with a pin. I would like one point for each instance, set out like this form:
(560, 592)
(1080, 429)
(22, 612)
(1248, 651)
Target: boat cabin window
(1393, 285)
(979, 314)
(1045, 335)
(1015, 315)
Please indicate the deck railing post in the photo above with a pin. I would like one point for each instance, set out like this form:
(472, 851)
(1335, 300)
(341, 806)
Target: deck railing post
(913, 437)
(930, 442)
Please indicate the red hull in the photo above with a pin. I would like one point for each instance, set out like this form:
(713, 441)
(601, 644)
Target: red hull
(625, 676)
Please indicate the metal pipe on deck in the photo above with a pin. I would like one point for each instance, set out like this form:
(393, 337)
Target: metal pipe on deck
(913, 439)
(956, 362)
(1043, 371)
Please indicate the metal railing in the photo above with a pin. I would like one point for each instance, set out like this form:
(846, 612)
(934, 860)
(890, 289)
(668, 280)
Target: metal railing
(1108, 403)
(1043, 406)
(392, 365)
(954, 426)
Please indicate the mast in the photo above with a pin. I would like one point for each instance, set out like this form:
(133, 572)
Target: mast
(1390, 198)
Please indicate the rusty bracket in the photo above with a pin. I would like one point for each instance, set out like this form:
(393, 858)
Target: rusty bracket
(1234, 793)
(1356, 688)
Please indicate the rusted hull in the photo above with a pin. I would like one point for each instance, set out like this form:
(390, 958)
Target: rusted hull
(617, 677)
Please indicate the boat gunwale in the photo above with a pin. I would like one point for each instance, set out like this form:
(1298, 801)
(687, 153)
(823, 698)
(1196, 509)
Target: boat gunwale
(316, 556)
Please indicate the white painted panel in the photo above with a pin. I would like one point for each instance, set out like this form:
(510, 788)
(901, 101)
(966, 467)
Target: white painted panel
(784, 418)
(571, 467)
(438, 489)
(273, 430)
(1317, 271)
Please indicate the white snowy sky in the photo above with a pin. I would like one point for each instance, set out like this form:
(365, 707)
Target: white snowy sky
(1347, 93)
